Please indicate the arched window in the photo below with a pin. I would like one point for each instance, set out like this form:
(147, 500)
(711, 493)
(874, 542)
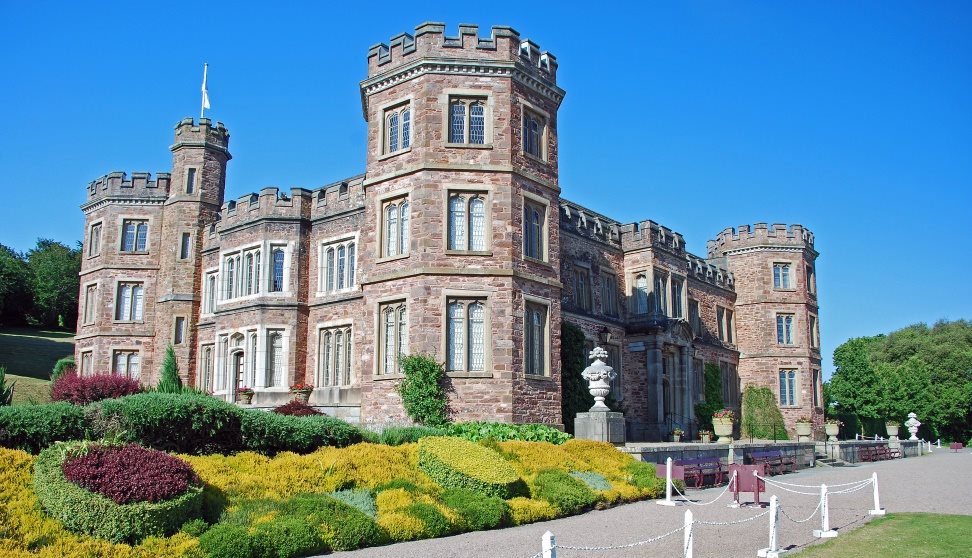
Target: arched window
(402, 334)
(211, 293)
(391, 230)
(277, 282)
(467, 121)
(641, 295)
(393, 132)
(390, 364)
(465, 335)
(275, 359)
(477, 224)
(457, 127)
(249, 274)
(329, 270)
(230, 276)
(326, 366)
(351, 264)
(477, 123)
(339, 356)
(659, 300)
(533, 219)
(347, 360)
(341, 255)
(403, 239)
(456, 326)
(257, 273)
(457, 223)
(141, 237)
(406, 128)
(477, 333)
(536, 339)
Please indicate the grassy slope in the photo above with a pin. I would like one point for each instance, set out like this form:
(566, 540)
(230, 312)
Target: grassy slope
(916, 535)
(29, 355)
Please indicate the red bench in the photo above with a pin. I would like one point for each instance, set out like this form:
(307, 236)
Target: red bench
(700, 471)
(956, 446)
(773, 458)
(878, 453)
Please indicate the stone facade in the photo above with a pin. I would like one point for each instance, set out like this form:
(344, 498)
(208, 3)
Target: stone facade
(457, 225)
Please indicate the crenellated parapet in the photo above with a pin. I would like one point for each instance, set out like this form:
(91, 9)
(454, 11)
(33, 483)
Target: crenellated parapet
(760, 235)
(119, 186)
(589, 224)
(189, 133)
(708, 272)
(649, 234)
(269, 203)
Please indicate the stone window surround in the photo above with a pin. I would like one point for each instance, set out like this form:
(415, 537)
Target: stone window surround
(726, 324)
(795, 395)
(254, 366)
(96, 226)
(266, 247)
(376, 374)
(201, 370)
(91, 306)
(114, 311)
(650, 273)
(130, 349)
(793, 329)
(811, 277)
(617, 308)
(185, 181)
(792, 275)
(185, 236)
(546, 303)
(445, 101)
(528, 199)
(319, 365)
(204, 308)
(674, 278)
(578, 269)
(334, 241)
(813, 331)
(82, 369)
(380, 202)
(382, 115)
(486, 192)
(175, 329)
(484, 296)
(149, 222)
(525, 107)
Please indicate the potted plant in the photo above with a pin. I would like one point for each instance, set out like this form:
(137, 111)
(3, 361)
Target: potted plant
(705, 436)
(301, 391)
(892, 426)
(244, 395)
(832, 428)
(677, 435)
(722, 424)
(804, 429)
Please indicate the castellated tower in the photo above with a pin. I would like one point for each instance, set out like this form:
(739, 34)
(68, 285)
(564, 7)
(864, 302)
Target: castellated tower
(776, 313)
(140, 261)
(460, 228)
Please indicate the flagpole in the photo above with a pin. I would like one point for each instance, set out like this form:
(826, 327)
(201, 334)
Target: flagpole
(202, 108)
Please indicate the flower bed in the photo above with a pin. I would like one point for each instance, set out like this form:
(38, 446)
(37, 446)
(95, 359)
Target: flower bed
(81, 390)
(130, 473)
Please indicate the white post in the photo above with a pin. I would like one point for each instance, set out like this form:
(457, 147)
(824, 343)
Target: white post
(549, 545)
(687, 542)
(929, 446)
(668, 485)
(772, 551)
(825, 532)
(938, 444)
(878, 510)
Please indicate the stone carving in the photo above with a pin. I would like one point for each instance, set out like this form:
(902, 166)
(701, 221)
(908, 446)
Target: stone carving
(599, 376)
(913, 423)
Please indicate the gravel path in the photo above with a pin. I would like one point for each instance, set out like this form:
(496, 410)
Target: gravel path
(939, 483)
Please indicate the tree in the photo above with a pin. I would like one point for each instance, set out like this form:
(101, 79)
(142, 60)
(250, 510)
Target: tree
(421, 390)
(854, 385)
(169, 381)
(55, 283)
(15, 292)
(574, 395)
(713, 396)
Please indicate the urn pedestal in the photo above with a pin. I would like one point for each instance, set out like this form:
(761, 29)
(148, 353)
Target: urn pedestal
(302, 396)
(600, 423)
(803, 431)
(723, 429)
(832, 430)
(244, 398)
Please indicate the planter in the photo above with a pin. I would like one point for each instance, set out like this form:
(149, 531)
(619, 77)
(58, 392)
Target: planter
(832, 430)
(244, 398)
(705, 438)
(893, 430)
(803, 431)
(676, 437)
(302, 396)
(723, 429)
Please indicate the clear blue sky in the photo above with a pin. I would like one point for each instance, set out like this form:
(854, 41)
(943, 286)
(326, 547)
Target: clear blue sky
(854, 119)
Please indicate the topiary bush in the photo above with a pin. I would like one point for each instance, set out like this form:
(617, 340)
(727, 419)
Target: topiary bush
(169, 381)
(341, 526)
(564, 492)
(194, 527)
(287, 537)
(34, 427)
(228, 541)
(63, 366)
(477, 511)
(81, 390)
(761, 416)
(456, 463)
(130, 473)
(421, 390)
(713, 396)
(85, 512)
(644, 476)
(296, 408)
(502, 432)
(271, 433)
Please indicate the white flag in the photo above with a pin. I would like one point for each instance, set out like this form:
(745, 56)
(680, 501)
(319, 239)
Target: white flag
(205, 92)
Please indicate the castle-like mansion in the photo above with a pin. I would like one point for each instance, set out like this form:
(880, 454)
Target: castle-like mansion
(454, 242)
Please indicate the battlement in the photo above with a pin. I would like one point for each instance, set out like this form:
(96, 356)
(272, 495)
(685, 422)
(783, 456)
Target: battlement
(589, 224)
(759, 234)
(430, 41)
(140, 186)
(269, 202)
(651, 234)
(204, 134)
(708, 272)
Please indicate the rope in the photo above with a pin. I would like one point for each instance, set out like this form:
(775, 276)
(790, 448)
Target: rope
(726, 489)
(786, 515)
(620, 546)
(817, 486)
(774, 484)
(851, 490)
(755, 517)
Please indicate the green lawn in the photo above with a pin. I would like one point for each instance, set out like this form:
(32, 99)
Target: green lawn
(33, 352)
(27, 390)
(915, 535)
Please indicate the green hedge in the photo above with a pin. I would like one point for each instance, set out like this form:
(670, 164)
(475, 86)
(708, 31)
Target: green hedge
(568, 494)
(34, 427)
(478, 511)
(272, 433)
(501, 432)
(92, 514)
(457, 463)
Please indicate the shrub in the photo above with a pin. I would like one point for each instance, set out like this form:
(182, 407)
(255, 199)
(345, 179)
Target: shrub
(288, 537)
(180, 423)
(761, 416)
(63, 366)
(272, 433)
(501, 432)
(81, 390)
(564, 492)
(524, 510)
(397, 436)
(435, 523)
(359, 498)
(477, 511)
(421, 391)
(88, 513)
(594, 481)
(456, 463)
(407, 516)
(297, 409)
(341, 526)
(6, 391)
(644, 476)
(130, 473)
(227, 541)
(575, 397)
(34, 427)
(713, 396)
(169, 381)
(194, 527)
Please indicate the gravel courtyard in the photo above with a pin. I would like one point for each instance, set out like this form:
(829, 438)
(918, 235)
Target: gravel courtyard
(938, 483)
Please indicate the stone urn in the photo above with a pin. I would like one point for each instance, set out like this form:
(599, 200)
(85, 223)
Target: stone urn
(803, 431)
(302, 396)
(244, 397)
(913, 423)
(705, 438)
(892, 428)
(599, 376)
(832, 429)
(723, 429)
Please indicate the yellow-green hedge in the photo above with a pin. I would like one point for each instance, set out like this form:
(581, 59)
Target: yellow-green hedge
(457, 463)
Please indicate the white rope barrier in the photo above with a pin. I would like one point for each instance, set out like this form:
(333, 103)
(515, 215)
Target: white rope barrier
(786, 515)
(723, 493)
(720, 523)
(622, 546)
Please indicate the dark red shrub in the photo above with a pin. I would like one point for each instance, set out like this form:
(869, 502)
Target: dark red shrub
(130, 473)
(297, 409)
(82, 390)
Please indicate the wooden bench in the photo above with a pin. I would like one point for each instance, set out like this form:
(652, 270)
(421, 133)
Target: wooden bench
(956, 446)
(702, 469)
(878, 453)
(773, 458)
